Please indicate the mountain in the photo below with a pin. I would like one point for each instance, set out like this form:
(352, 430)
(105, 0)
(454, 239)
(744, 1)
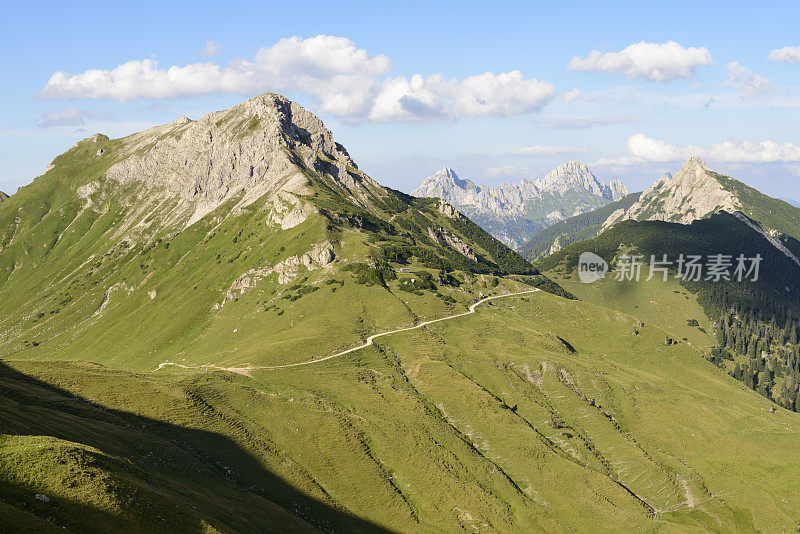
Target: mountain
(696, 192)
(702, 212)
(514, 212)
(3, 196)
(575, 228)
(252, 199)
(223, 325)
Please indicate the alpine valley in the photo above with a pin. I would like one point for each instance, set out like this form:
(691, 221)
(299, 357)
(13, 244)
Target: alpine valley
(188, 343)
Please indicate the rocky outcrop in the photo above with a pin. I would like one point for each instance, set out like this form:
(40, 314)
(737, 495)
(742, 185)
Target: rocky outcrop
(321, 255)
(774, 240)
(448, 211)
(441, 236)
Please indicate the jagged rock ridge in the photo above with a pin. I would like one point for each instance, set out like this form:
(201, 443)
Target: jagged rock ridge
(514, 212)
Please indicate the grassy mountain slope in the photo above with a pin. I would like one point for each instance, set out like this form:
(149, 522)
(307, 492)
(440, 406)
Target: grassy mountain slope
(94, 262)
(667, 304)
(535, 414)
(755, 323)
(775, 214)
(577, 228)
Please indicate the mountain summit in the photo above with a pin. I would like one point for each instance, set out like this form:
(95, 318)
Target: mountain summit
(575, 175)
(693, 193)
(242, 208)
(513, 212)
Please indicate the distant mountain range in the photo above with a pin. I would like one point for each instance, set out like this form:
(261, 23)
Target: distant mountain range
(514, 212)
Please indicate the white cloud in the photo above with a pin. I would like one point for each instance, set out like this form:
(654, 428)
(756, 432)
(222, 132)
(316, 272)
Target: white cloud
(579, 123)
(788, 54)
(419, 98)
(541, 150)
(211, 49)
(748, 83)
(505, 171)
(649, 61)
(342, 79)
(68, 117)
(576, 95)
(645, 149)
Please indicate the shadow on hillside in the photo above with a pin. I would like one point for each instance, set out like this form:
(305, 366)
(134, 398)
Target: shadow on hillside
(171, 478)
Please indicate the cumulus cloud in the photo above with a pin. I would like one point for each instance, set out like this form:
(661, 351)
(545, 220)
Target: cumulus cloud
(645, 149)
(68, 117)
(342, 80)
(650, 61)
(211, 49)
(505, 171)
(580, 123)
(788, 54)
(418, 97)
(576, 95)
(748, 83)
(543, 150)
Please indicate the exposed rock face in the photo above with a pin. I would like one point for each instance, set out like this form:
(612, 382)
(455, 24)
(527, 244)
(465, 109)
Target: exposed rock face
(758, 227)
(440, 235)
(321, 255)
(514, 212)
(576, 176)
(693, 193)
(258, 147)
(448, 211)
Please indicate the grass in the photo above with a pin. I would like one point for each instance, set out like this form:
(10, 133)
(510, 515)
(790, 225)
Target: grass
(535, 414)
(667, 304)
(486, 421)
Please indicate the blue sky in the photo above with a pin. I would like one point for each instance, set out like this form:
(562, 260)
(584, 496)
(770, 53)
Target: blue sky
(497, 92)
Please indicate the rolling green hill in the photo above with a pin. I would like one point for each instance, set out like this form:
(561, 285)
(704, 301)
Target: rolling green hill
(535, 414)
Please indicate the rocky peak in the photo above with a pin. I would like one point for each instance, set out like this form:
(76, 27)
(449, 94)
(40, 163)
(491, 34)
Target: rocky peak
(446, 184)
(576, 175)
(265, 145)
(693, 193)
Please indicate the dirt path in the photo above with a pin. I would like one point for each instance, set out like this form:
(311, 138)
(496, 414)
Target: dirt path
(246, 370)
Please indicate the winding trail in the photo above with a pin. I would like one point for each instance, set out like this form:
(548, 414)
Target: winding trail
(367, 343)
